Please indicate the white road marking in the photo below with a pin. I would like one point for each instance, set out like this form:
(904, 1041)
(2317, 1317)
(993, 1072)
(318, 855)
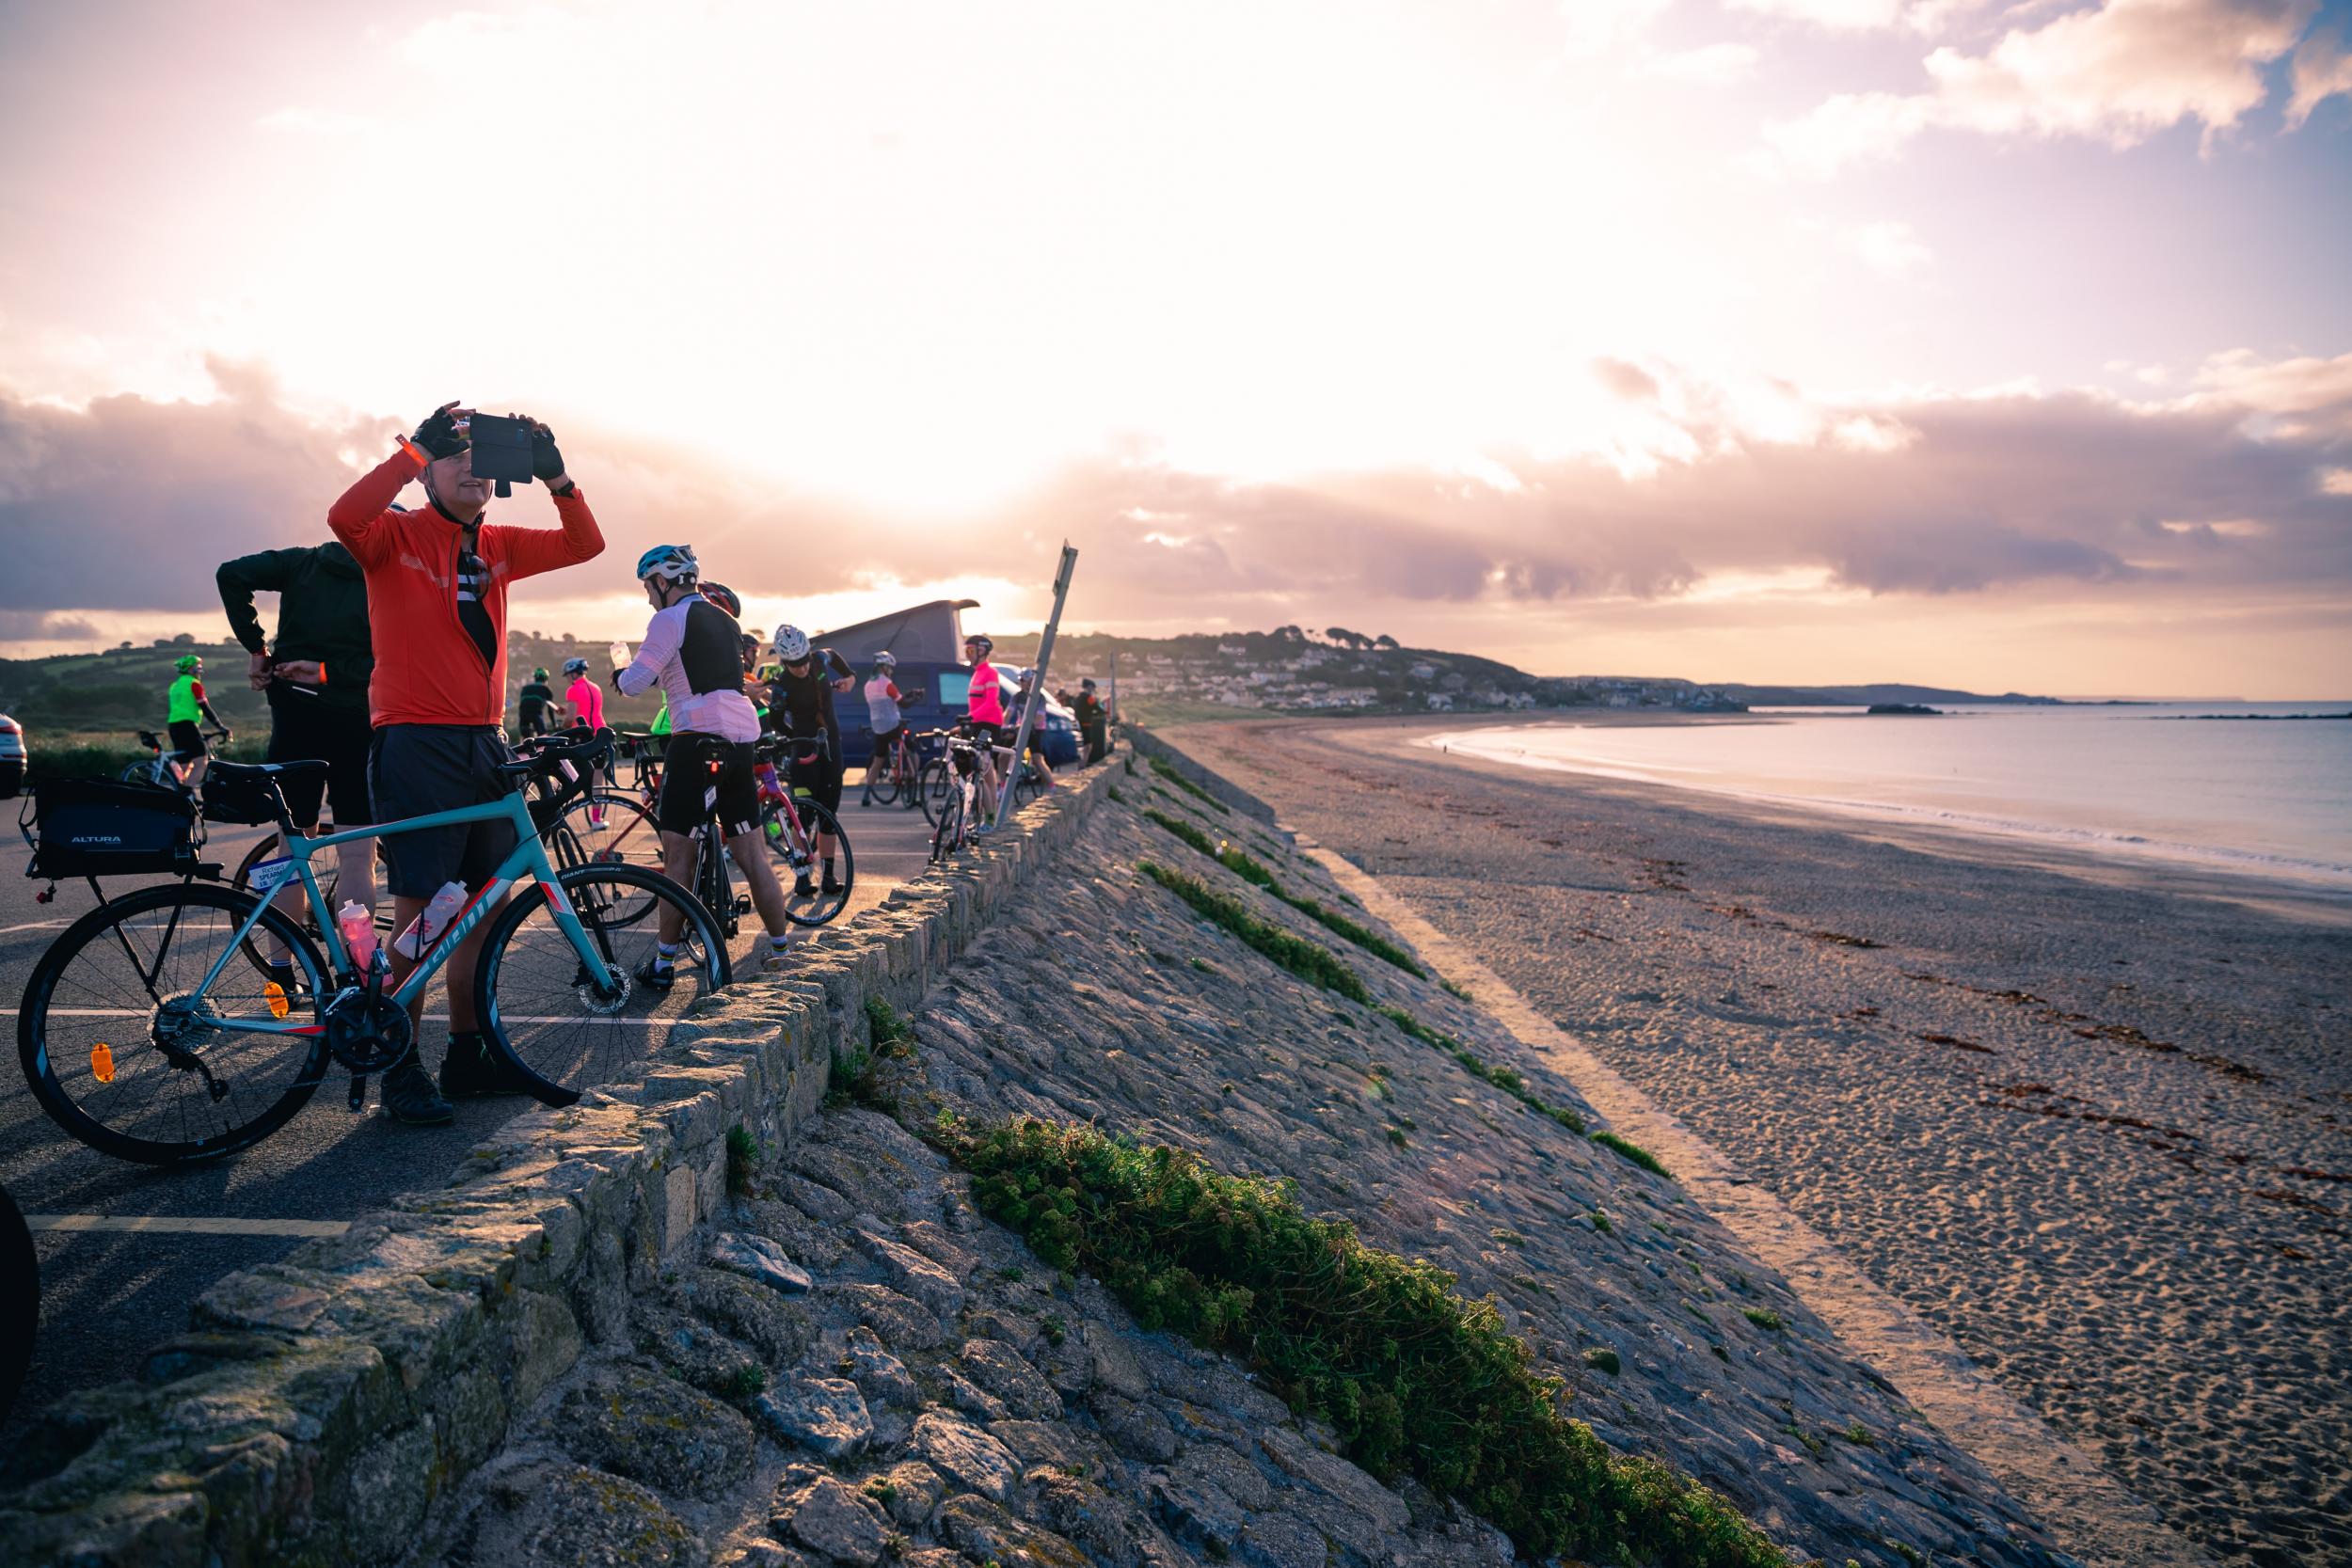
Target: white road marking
(186, 1225)
(36, 926)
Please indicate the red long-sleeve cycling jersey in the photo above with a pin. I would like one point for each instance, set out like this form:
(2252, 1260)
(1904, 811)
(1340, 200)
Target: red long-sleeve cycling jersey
(428, 668)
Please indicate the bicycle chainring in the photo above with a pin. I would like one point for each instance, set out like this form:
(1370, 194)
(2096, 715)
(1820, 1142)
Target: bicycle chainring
(367, 1038)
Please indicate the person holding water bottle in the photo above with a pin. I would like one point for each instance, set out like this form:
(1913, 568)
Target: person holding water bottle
(437, 583)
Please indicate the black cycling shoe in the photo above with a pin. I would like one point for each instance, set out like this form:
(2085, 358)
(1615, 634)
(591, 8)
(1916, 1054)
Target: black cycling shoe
(411, 1099)
(655, 976)
(472, 1069)
(832, 887)
(804, 888)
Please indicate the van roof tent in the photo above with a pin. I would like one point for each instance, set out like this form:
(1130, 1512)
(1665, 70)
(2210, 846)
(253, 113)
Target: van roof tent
(925, 633)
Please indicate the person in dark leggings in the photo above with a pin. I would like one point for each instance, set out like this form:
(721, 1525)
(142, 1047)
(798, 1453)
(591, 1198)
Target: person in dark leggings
(799, 705)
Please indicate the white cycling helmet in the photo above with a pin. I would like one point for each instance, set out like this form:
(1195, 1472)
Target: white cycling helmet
(668, 562)
(791, 644)
(886, 660)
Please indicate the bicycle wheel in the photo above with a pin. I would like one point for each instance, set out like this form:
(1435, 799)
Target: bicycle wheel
(1025, 788)
(19, 1301)
(882, 780)
(567, 1027)
(796, 848)
(122, 1054)
(947, 828)
(626, 836)
(931, 787)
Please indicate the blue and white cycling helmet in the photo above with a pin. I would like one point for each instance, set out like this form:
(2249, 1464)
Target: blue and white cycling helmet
(792, 645)
(668, 562)
(575, 666)
(886, 660)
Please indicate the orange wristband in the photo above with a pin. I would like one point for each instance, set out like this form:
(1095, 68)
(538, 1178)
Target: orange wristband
(413, 451)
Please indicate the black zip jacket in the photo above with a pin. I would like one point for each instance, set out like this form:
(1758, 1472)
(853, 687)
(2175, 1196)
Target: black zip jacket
(322, 614)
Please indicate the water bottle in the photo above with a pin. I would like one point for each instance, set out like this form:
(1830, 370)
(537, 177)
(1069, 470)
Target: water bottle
(427, 928)
(621, 655)
(357, 924)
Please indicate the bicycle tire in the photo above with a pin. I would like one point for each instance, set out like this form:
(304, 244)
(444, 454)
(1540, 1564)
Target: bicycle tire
(558, 1060)
(712, 884)
(19, 1301)
(1025, 788)
(930, 787)
(629, 836)
(41, 1052)
(882, 782)
(139, 772)
(948, 828)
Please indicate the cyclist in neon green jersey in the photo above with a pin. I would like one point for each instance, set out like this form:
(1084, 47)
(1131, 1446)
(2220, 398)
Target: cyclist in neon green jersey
(185, 705)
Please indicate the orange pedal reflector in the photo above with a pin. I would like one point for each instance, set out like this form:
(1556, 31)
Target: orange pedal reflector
(276, 996)
(102, 1062)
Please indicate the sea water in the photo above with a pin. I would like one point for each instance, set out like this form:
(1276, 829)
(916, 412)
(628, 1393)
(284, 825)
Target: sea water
(2250, 787)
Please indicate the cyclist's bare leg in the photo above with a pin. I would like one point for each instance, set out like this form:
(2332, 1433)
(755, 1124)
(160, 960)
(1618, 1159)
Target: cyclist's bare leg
(751, 859)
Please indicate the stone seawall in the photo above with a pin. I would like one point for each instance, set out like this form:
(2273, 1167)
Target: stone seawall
(316, 1408)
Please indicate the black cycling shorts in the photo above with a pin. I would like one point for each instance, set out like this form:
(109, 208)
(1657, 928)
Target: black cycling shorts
(692, 792)
(417, 770)
(187, 739)
(338, 737)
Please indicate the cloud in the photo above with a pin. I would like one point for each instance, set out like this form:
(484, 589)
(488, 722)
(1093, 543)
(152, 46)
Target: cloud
(2226, 491)
(1596, 27)
(2117, 73)
(2323, 69)
(1843, 15)
(1888, 246)
(1711, 65)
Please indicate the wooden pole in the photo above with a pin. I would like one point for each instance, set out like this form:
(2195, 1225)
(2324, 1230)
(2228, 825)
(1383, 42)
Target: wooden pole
(1029, 709)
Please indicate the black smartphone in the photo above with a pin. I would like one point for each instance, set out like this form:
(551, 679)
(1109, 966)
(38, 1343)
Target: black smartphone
(501, 449)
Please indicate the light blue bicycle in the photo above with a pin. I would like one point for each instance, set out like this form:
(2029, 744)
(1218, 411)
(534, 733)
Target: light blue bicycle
(151, 1029)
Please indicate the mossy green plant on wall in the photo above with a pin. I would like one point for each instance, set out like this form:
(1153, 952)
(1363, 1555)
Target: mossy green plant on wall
(1416, 1379)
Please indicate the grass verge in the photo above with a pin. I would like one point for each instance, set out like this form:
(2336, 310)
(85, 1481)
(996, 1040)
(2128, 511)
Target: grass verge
(1302, 959)
(1172, 776)
(1416, 1379)
(1241, 863)
(1634, 1152)
(1503, 1078)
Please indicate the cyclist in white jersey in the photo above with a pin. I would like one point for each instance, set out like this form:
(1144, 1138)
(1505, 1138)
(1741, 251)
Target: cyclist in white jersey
(693, 651)
(883, 717)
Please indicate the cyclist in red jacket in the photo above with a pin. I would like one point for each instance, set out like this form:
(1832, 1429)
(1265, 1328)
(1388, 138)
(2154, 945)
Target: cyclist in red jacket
(437, 597)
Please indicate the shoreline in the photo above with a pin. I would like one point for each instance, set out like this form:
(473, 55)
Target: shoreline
(2093, 1121)
(2110, 863)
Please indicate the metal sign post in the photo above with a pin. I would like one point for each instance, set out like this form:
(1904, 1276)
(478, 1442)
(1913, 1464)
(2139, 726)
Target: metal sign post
(1037, 681)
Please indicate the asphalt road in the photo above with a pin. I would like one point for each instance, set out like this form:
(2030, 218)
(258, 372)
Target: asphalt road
(107, 1295)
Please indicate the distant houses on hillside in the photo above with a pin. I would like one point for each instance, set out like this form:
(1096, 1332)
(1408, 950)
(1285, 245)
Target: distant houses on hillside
(1289, 675)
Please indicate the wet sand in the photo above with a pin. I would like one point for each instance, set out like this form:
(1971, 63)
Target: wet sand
(2092, 1120)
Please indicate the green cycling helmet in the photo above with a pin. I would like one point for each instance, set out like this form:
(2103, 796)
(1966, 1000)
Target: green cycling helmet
(186, 662)
(539, 674)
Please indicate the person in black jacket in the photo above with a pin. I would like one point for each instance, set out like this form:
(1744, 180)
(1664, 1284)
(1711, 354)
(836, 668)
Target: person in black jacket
(538, 704)
(316, 674)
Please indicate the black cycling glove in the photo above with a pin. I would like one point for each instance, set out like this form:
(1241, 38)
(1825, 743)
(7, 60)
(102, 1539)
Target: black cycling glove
(545, 462)
(440, 435)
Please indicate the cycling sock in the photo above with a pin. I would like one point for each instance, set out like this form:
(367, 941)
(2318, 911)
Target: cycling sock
(664, 955)
(776, 944)
(828, 868)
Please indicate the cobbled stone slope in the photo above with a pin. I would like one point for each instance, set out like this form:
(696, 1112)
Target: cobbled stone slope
(937, 1396)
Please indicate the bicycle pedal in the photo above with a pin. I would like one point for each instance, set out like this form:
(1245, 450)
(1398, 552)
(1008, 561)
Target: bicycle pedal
(358, 1092)
(742, 904)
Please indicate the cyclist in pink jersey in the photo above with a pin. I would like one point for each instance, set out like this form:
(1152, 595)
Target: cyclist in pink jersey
(586, 698)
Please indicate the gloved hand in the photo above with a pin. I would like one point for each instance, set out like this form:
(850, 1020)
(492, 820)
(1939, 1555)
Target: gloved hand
(440, 435)
(545, 462)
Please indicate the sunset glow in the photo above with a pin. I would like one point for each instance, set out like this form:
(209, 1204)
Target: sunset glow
(1584, 335)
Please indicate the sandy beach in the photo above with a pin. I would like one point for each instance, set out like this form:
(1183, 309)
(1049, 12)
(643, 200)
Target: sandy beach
(2091, 1118)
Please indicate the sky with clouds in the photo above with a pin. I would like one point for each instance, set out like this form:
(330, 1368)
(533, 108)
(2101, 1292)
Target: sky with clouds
(1954, 341)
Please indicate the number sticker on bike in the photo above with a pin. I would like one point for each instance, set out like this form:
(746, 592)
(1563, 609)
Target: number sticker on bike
(269, 876)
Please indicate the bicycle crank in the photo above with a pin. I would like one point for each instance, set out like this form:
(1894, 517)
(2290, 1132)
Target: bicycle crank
(366, 1035)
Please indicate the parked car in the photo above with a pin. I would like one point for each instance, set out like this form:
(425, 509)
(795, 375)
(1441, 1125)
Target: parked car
(12, 758)
(933, 696)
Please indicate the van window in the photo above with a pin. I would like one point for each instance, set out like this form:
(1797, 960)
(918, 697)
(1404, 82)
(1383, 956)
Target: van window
(954, 688)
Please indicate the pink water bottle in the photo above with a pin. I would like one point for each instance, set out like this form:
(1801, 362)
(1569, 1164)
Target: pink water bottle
(357, 924)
